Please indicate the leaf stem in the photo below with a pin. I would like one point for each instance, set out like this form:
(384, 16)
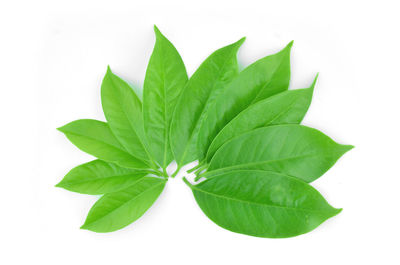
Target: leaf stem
(187, 182)
(199, 170)
(194, 168)
(176, 172)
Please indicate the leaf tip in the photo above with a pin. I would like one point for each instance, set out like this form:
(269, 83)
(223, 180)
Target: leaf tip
(61, 129)
(338, 211)
(109, 69)
(157, 32)
(240, 42)
(348, 147)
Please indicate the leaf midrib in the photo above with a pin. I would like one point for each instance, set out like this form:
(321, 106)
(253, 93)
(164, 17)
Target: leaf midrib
(255, 203)
(101, 178)
(202, 110)
(101, 141)
(221, 169)
(237, 117)
(123, 204)
(130, 123)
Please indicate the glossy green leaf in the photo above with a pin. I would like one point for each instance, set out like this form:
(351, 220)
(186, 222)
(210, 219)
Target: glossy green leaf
(116, 210)
(123, 111)
(165, 78)
(95, 138)
(288, 107)
(294, 150)
(262, 79)
(205, 84)
(100, 177)
(262, 204)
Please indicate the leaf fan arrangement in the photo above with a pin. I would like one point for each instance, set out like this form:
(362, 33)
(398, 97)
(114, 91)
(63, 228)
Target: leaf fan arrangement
(255, 159)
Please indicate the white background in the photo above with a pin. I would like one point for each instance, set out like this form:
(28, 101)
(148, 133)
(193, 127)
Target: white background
(53, 55)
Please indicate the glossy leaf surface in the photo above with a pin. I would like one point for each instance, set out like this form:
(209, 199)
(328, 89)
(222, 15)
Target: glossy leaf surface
(165, 78)
(123, 111)
(205, 84)
(95, 138)
(262, 204)
(288, 107)
(100, 177)
(293, 150)
(116, 210)
(262, 79)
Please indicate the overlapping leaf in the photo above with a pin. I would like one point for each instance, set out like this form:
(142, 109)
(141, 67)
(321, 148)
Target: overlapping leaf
(288, 107)
(242, 127)
(100, 177)
(165, 78)
(264, 78)
(294, 150)
(262, 204)
(118, 209)
(95, 137)
(200, 92)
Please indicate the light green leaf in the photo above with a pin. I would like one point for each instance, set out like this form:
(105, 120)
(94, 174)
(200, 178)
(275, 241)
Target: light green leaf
(205, 84)
(95, 138)
(294, 150)
(116, 210)
(123, 111)
(262, 204)
(288, 107)
(165, 78)
(100, 177)
(264, 78)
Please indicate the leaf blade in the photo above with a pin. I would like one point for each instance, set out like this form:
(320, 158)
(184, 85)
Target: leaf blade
(262, 79)
(294, 150)
(165, 78)
(123, 111)
(288, 107)
(262, 204)
(99, 177)
(202, 88)
(95, 138)
(116, 210)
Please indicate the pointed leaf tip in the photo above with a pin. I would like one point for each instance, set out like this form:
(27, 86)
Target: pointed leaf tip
(157, 32)
(240, 42)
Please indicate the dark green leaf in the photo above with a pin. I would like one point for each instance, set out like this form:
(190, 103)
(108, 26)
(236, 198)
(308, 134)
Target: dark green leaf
(95, 138)
(288, 107)
(262, 79)
(116, 210)
(294, 150)
(100, 177)
(262, 204)
(205, 84)
(165, 78)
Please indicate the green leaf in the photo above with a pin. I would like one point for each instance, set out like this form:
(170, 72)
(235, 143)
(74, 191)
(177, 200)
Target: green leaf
(116, 210)
(262, 79)
(95, 138)
(165, 78)
(288, 107)
(205, 84)
(123, 111)
(262, 204)
(294, 150)
(100, 177)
